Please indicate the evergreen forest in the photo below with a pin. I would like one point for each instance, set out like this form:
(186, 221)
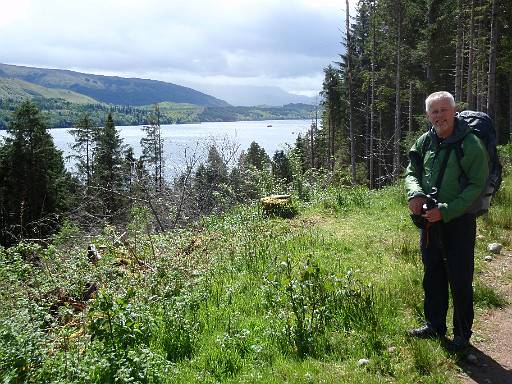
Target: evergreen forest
(397, 53)
(115, 273)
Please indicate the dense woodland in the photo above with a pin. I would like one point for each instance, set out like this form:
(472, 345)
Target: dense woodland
(396, 53)
(372, 108)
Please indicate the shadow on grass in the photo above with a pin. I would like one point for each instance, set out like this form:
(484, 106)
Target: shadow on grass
(484, 369)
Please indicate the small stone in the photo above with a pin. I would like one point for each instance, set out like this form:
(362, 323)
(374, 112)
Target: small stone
(494, 248)
(471, 358)
(391, 349)
(488, 258)
(363, 362)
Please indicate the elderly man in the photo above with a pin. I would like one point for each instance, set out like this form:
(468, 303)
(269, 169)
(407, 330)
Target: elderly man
(448, 236)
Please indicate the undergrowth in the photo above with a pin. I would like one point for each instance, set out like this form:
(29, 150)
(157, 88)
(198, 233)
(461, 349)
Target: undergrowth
(240, 298)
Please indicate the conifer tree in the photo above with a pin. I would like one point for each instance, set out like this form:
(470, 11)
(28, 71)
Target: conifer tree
(210, 182)
(257, 156)
(281, 167)
(108, 175)
(84, 146)
(33, 181)
(152, 148)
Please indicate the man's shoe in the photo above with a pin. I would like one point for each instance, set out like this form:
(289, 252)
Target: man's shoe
(458, 344)
(425, 332)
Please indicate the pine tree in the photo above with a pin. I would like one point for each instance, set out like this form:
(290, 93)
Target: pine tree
(257, 156)
(210, 182)
(108, 175)
(84, 146)
(281, 167)
(34, 184)
(152, 148)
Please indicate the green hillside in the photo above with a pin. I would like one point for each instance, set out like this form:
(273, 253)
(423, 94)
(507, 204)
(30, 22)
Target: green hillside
(65, 95)
(110, 89)
(63, 112)
(238, 298)
(20, 89)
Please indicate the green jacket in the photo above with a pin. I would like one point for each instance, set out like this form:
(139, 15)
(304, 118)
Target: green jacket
(456, 193)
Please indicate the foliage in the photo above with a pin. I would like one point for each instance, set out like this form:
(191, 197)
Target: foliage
(236, 298)
(399, 52)
(152, 149)
(309, 305)
(33, 182)
(257, 157)
(281, 167)
(62, 113)
(108, 177)
(84, 146)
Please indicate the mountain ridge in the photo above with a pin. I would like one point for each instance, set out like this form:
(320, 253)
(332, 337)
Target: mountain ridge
(110, 89)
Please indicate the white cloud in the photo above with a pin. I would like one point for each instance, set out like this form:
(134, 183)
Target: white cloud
(268, 42)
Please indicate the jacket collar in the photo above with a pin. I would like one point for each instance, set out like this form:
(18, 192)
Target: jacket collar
(460, 130)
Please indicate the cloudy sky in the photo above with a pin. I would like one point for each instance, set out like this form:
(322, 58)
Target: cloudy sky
(198, 43)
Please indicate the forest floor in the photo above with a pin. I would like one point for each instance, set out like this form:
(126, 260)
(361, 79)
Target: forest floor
(492, 337)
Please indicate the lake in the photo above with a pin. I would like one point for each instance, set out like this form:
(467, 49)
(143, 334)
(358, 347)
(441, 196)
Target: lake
(181, 141)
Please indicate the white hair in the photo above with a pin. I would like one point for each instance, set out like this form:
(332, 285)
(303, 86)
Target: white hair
(441, 95)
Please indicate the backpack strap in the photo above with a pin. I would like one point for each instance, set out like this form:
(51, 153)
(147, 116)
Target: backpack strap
(463, 179)
(440, 175)
(425, 145)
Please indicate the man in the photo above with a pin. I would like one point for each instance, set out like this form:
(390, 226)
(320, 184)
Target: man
(448, 238)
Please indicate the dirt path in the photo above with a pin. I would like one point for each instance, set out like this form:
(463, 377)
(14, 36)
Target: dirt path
(492, 338)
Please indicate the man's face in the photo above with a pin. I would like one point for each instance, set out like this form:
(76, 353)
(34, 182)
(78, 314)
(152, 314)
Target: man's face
(441, 114)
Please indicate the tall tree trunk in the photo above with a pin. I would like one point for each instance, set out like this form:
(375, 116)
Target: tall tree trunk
(459, 53)
(479, 66)
(431, 20)
(331, 138)
(380, 150)
(372, 99)
(461, 80)
(491, 79)
(349, 89)
(409, 114)
(160, 149)
(509, 109)
(314, 126)
(367, 132)
(469, 97)
(398, 122)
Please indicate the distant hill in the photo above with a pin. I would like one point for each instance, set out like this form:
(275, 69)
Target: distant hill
(106, 89)
(250, 95)
(64, 96)
(20, 89)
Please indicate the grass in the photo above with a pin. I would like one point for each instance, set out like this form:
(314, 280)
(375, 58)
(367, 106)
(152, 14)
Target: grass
(240, 298)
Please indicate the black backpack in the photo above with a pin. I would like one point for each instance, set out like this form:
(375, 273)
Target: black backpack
(481, 126)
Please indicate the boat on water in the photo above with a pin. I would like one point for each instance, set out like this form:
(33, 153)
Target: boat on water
(270, 125)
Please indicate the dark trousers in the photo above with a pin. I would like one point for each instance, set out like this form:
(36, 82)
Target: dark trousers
(448, 251)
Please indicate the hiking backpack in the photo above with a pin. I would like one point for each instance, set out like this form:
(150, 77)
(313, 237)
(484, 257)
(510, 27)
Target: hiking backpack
(481, 126)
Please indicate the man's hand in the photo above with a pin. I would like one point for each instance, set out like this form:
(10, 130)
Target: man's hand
(433, 215)
(416, 204)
